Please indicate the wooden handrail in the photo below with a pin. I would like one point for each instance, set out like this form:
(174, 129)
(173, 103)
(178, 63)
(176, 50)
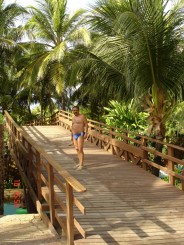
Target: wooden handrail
(31, 159)
(75, 184)
(65, 174)
(133, 147)
(137, 148)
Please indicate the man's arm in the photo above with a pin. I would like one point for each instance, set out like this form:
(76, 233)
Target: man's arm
(85, 127)
(71, 135)
(71, 131)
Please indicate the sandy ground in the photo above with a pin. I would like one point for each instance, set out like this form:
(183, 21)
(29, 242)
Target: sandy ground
(26, 229)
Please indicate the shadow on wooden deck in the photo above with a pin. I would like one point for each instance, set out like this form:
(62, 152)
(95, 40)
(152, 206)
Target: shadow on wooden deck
(125, 204)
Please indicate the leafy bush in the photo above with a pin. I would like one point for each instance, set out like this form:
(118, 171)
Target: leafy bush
(175, 123)
(126, 116)
(1, 119)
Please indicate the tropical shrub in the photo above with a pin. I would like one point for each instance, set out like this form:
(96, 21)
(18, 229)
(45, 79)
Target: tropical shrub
(175, 123)
(126, 116)
(1, 119)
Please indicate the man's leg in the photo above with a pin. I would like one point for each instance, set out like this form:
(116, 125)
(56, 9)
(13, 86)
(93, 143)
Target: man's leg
(75, 142)
(80, 142)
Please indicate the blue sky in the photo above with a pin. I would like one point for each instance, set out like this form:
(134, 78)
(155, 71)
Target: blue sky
(72, 4)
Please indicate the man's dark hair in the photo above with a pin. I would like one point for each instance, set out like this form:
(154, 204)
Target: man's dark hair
(76, 106)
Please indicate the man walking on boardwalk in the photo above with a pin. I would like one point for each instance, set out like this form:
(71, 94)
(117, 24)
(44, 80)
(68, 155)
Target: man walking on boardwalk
(79, 132)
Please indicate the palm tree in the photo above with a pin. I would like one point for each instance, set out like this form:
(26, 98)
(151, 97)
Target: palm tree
(9, 31)
(54, 33)
(10, 35)
(138, 53)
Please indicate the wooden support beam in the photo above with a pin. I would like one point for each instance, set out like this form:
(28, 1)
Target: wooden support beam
(70, 219)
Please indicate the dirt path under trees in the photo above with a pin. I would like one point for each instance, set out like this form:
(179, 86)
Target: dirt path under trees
(26, 229)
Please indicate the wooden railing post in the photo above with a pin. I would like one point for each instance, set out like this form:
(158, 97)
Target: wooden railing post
(170, 152)
(30, 162)
(51, 193)
(112, 130)
(38, 172)
(126, 152)
(111, 145)
(70, 221)
(182, 181)
(27, 165)
(145, 154)
(90, 128)
(68, 116)
(57, 119)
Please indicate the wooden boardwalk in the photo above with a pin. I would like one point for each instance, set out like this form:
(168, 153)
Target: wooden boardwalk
(124, 204)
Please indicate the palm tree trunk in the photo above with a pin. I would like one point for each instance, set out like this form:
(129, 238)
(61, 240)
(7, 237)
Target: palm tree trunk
(155, 105)
(159, 135)
(1, 170)
(63, 101)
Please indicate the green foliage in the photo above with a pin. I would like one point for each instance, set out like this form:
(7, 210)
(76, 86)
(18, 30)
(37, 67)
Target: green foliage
(85, 111)
(166, 179)
(137, 52)
(125, 115)
(175, 123)
(179, 170)
(22, 117)
(55, 32)
(139, 49)
(36, 111)
(1, 119)
(10, 184)
(9, 38)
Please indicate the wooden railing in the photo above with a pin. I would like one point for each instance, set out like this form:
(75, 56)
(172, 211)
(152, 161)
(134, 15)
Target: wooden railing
(51, 187)
(45, 178)
(135, 148)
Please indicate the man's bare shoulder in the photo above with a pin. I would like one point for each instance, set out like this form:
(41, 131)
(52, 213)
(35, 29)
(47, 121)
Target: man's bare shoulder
(84, 117)
(80, 116)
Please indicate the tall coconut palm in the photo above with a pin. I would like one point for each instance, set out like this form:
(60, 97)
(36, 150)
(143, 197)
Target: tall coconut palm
(54, 33)
(9, 31)
(10, 35)
(138, 53)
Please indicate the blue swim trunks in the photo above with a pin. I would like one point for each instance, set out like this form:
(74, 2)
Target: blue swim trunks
(76, 136)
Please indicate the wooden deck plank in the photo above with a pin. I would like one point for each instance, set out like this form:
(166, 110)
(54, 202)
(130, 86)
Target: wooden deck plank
(124, 204)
